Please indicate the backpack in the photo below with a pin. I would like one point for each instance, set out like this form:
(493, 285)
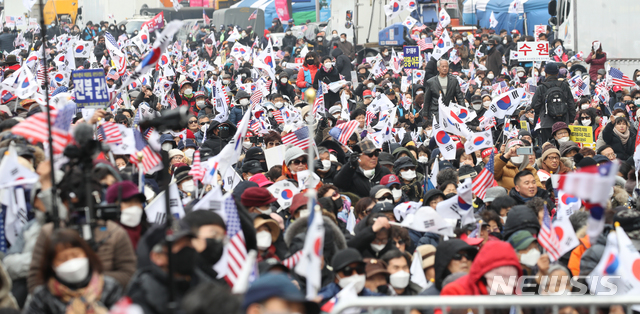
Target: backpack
(555, 103)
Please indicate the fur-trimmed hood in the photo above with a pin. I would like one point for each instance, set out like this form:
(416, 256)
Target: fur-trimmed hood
(300, 226)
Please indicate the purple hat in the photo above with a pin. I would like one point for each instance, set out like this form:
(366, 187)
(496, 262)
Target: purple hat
(128, 190)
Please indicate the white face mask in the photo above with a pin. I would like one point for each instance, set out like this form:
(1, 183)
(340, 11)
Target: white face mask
(328, 65)
(385, 54)
(204, 128)
(167, 146)
(284, 80)
(504, 41)
(369, 173)
(342, 39)
(563, 139)
(263, 239)
(490, 76)
(121, 168)
(74, 270)
(304, 213)
(226, 82)
(288, 33)
(377, 247)
(477, 106)
(131, 216)
(486, 104)
(408, 175)
(423, 159)
(189, 153)
(244, 102)
(542, 73)
(370, 85)
(419, 92)
(428, 133)
(530, 258)
(278, 104)
(504, 219)
(578, 72)
(358, 280)
(516, 160)
(188, 186)
(397, 194)
(459, 42)
(520, 74)
(188, 91)
(586, 122)
(399, 280)
(326, 165)
(200, 103)
(584, 106)
(246, 145)
(386, 201)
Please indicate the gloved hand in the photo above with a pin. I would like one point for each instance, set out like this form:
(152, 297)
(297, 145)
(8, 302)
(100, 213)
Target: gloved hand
(317, 164)
(354, 160)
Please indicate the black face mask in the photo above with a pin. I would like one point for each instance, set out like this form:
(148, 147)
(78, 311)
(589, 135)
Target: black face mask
(213, 252)
(338, 203)
(223, 132)
(310, 62)
(184, 261)
(264, 166)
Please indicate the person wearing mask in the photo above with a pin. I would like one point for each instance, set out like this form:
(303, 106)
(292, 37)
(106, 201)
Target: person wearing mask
(444, 84)
(88, 32)
(452, 256)
(264, 41)
(267, 232)
(184, 95)
(146, 96)
(209, 230)
(307, 72)
(362, 171)
(342, 64)
(242, 105)
(132, 216)
(284, 88)
(320, 45)
(324, 168)
(203, 124)
(411, 180)
(288, 41)
(532, 262)
(257, 200)
(367, 98)
(349, 268)
(560, 91)
(596, 58)
(526, 188)
(620, 137)
(276, 26)
(208, 51)
(373, 239)
(560, 133)
(101, 49)
(399, 275)
(507, 165)
(346, 47)
(276, 293)
(148, 288)
(483, 272)
(218, 136)
(494, 57)
(73, 278)
(201, 103)
(327, 74)
(245, 38)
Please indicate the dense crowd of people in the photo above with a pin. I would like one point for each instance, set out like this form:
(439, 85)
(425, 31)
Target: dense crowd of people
(379, 155)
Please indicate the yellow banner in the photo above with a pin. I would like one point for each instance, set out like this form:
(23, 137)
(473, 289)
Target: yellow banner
(581, 134)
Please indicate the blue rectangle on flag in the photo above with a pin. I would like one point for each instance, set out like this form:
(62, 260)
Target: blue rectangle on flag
(90, 88)
(411, 57)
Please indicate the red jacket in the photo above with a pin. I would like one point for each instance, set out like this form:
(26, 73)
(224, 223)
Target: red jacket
(596, 64)
(486, 260)
(300, 80)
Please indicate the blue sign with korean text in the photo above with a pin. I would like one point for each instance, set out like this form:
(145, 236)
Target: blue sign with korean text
(90, 88)
(411, 57)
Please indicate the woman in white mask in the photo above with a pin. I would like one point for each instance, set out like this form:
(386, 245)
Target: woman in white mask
(410, 178)
(528, 252)
(267, 232)
(560, 133)
(73, 278)
(132, 216)
(257, 200)
(399, 275)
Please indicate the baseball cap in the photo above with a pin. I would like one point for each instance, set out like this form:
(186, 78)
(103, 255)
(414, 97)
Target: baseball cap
(390, 180)
(277, 286)
(366, 94)
(261, 179)
(521, 240)
(385, 159)
(252, 166)
(493, 193)
(367, 146)
(343, 258)
(374, 266)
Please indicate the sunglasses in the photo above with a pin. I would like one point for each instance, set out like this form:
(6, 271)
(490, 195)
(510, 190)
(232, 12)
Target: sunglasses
(585, 118)
(459, 257)
(299, 161)
(348, 271)
(193, 122)
(388, 197)
(399, 242)
(375, 153)
(203, 123)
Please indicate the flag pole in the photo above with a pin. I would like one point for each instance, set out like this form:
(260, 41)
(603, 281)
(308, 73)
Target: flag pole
(43, 34)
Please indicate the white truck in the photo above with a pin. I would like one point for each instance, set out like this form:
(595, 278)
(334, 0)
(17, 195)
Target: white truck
(580, 22)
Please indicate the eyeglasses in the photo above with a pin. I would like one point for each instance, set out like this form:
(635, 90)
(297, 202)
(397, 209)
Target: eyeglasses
(193, 122)
(348, 271)
(399, 242)
(553, 158)
(299, 161)
(562, 133)
(459, 257)
(375, 153)
(612, 155)
(177, 157)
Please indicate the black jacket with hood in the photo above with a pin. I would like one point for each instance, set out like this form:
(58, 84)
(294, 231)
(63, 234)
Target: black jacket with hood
(343, 64)
(521, 217)
(444, 254)
(214, 144)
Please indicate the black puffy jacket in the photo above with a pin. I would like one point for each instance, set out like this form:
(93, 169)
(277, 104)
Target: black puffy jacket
(327, 77)
(43, 301)
(214, 144)
(352, 179)
(343, 63)
(521, 217)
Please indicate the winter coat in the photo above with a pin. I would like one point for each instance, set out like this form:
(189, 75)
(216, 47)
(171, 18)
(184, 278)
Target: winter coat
(329, 291)
(288, 42)
(444, 254)
(520, 217)
(541, 193)
(115, 252)
(327, 77)
(204, 54)
(576, 255)
(6, 298)
(152, 101)
(88, 34)
(321, 48)
(43, 301)
(597, 62)
(494, 61)
(98, 51)
(6, 42)
(214, 144)
(18, 256)
(486, 260)
(505, 171)
(343, 64)
(565, 165)
(352, 179)
(347, 49)
(592, 255)
(181, 100)
(432, 92)
(414, 190)
(305, 77)
(362, 242)
(236, 114)
(148, 288)
(623, 151)
(539, 102)
(288, 90)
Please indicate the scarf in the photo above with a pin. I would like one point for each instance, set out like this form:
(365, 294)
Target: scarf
(209, 50)
(81, 301)
(624, 137)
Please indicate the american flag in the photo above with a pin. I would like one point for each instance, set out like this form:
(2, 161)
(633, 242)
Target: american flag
(491, 123)
(318, 104)
(425, 43)
(278, 116)
(150, 158)
(370, 116)
(618, 78)
(299, 137)
(112, 133)
(116, 54)
(346, 130)
(236, 249)
(439, 30)
(548, 238)
(206, 19)
(171, 99)
(485, 179)
(255, 98)
(197, 171)
(35, 128)
(253, 15)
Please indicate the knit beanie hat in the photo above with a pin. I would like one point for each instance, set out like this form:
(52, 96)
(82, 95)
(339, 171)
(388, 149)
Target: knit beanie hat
(548, 149)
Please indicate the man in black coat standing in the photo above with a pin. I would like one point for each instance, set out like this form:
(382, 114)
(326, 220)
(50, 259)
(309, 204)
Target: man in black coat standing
(444, 84)
(343, 63)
